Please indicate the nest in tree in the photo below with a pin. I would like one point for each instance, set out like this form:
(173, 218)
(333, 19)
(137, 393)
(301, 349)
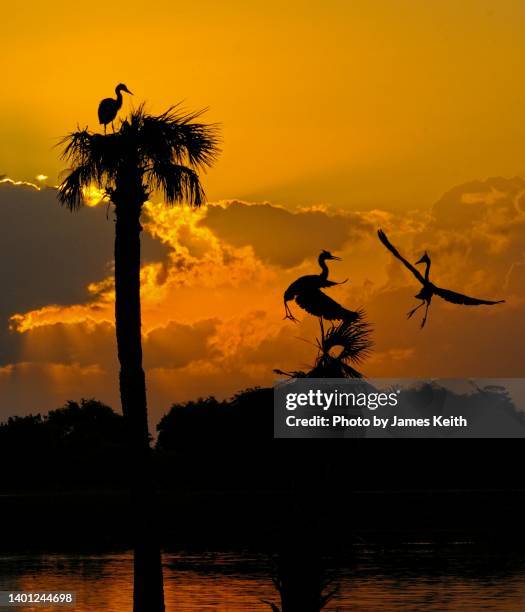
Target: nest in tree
(341, 347)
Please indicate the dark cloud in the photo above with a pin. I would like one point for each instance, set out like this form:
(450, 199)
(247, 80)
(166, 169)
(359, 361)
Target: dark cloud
(467, 204)
(85, 343)
(81, 343)
(49, 255)
(458, 341)
(475, 235)
(281, 237)
(176, 345)
(273, 349)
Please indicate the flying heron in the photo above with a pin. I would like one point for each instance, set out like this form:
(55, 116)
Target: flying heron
(429, 289)
(306, 291)
(109, 107)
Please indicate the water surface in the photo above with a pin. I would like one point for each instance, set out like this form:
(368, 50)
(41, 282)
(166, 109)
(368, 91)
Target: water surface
(413, 577)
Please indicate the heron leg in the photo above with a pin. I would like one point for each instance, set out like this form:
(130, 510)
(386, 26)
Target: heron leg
(426, 315)
(105, 126)
(411, 312)
(322, 328)
(288, 313)
(112, 127)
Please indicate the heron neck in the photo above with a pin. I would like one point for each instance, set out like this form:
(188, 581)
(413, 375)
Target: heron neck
(119, 98)
(427, 271)
(324, 268)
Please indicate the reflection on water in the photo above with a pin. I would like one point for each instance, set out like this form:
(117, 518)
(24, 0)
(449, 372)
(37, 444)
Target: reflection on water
(418, 577)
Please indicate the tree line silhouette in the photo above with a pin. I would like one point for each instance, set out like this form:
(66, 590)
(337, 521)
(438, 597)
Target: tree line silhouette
(244, 488)
(209, 444)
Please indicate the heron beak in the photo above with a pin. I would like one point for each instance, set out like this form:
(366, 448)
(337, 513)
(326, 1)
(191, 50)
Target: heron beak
(336, 258)
(128, 91)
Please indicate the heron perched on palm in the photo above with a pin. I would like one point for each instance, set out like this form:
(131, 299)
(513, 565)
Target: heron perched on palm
(428, 290)
(109, 107)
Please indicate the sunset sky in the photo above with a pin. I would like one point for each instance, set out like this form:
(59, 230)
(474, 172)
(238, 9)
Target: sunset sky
(337, 118)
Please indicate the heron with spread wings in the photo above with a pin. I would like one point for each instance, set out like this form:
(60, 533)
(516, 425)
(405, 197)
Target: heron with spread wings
(306, 291)
(429, 289)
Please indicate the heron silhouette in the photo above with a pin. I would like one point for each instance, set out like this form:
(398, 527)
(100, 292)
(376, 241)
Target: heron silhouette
(429, 289)
(306, 291)
(109, 107)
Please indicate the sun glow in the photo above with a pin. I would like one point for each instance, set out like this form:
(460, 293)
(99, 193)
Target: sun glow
(93, 196)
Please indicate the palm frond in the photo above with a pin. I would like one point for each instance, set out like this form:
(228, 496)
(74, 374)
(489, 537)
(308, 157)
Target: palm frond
(75, 144)
(178, 183)
(163, 151)
(175, 135)
(355, 343)
(354, 340)
(71, 188)
(83, 147)
(292, 374)
(95, 159)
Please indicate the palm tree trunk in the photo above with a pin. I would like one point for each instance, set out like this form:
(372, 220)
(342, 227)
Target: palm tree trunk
(148, 595)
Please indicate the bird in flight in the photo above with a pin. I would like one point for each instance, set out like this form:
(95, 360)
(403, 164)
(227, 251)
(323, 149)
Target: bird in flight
(306, 291)
(429, 289)
(109, 107)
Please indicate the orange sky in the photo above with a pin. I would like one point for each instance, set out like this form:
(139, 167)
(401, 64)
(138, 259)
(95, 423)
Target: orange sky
(362, 103)
(338, 118)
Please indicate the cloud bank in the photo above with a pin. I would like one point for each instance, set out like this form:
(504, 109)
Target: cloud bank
(212, 284)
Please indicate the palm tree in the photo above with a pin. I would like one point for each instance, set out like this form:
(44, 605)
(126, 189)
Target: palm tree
(301, 579)
(148, 153)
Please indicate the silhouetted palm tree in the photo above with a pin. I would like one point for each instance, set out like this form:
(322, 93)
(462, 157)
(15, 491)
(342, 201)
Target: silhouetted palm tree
(147, 153)
(300, 577)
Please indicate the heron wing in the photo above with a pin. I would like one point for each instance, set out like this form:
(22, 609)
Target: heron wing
(459, 298)
(107, 111)
(317, 303)
(396, 253)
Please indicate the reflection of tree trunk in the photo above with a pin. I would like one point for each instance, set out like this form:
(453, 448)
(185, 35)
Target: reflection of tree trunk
(301, 577)
(128, 198)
